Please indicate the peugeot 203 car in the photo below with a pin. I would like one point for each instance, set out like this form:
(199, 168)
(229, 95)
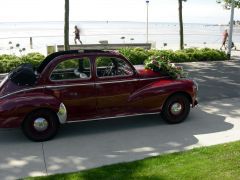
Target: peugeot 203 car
(73, 86)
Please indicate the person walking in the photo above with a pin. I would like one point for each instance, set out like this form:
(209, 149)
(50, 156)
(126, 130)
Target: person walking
(77, 35)
(225, 36)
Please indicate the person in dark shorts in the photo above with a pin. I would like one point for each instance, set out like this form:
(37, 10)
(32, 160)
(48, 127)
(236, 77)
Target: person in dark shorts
(77, 35)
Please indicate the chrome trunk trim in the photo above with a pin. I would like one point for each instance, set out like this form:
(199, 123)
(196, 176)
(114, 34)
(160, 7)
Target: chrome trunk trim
(22, 90)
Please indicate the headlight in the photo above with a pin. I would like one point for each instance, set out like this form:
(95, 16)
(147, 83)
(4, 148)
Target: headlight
(62, 113)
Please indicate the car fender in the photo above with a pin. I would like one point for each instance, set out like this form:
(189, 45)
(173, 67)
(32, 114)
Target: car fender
(15, 108)
(156, 93)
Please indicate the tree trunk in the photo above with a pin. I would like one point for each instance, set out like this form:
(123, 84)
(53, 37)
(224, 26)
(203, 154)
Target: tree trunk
(66, 26)
(181, 25)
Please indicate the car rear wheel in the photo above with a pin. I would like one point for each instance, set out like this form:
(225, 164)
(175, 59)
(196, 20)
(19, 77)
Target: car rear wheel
(41, 125)
(176, 109)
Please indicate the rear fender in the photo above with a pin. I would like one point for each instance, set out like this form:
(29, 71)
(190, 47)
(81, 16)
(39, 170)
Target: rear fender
(15, 109)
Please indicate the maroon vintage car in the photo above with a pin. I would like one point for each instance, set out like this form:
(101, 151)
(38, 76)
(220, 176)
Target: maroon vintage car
(88, 85)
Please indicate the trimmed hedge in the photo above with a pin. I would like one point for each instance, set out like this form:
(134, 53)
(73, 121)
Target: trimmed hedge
(137, 56)
(10, 62)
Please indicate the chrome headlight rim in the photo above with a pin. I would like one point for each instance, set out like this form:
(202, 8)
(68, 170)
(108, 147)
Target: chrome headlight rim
(195, 85)
(62, 114)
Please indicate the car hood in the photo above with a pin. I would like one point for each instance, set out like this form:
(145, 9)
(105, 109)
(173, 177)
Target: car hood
(147, 73)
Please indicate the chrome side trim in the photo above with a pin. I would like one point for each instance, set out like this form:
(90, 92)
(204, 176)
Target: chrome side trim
(114, 117)
(153, 78)
(111, 82)
(132, 80)
(62, 114)
(23, 90)
(69, 85)
(79, 84)
(108, 82)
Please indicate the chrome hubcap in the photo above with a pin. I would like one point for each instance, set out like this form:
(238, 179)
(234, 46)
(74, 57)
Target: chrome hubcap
(40, 124)
(176, 108)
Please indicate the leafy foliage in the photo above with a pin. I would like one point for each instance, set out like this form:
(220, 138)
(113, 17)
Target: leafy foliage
(137, 55)
(227, 3)
(10, 62)
(162, 65)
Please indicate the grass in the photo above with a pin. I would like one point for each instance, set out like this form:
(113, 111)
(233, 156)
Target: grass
(216, 162)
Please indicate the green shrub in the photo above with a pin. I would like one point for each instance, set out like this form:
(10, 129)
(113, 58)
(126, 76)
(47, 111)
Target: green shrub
(164, 54)
(139, 55)
(10, 62)
(135, 55)
(34, 58)
(7, 65)
(180, 56)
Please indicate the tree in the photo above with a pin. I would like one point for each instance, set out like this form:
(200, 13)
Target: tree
(227, 3)
(181, 24)
(66, 26)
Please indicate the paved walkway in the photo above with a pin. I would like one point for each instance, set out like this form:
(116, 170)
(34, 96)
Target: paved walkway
(93, 144)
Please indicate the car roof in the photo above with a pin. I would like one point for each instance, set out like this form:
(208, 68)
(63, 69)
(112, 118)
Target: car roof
(50, 57)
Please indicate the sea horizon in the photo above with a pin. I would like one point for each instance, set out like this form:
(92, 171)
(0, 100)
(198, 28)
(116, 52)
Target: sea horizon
(44, 33)
(109, 21)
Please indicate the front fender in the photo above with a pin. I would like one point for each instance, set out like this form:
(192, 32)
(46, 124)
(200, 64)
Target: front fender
(14, 109)
(153, 95)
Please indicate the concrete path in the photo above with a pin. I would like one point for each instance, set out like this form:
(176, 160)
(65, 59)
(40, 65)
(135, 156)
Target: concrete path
(93, 144)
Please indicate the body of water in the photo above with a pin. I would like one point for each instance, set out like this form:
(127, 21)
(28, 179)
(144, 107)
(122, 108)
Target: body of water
(51, 33)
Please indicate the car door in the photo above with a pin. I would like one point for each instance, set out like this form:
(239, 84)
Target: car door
(72, 83)
(115, 82)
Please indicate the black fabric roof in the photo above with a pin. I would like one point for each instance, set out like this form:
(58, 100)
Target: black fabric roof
(51, 57)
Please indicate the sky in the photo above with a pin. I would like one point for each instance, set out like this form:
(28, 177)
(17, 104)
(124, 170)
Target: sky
(194, 11)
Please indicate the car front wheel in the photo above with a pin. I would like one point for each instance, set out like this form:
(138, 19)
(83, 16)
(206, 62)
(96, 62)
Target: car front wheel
(41, 125)
(176, 109)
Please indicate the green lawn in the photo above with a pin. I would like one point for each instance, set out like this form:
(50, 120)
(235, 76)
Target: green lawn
(216, 162)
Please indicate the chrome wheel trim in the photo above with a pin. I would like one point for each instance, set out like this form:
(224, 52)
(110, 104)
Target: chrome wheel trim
(176, 108)
(40, 124)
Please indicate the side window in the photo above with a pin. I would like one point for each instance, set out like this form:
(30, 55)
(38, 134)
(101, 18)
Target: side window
(71, 69)
(111, 66)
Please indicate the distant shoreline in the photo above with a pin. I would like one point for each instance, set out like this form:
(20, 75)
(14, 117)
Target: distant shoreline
(107, 21)
(163, 35)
